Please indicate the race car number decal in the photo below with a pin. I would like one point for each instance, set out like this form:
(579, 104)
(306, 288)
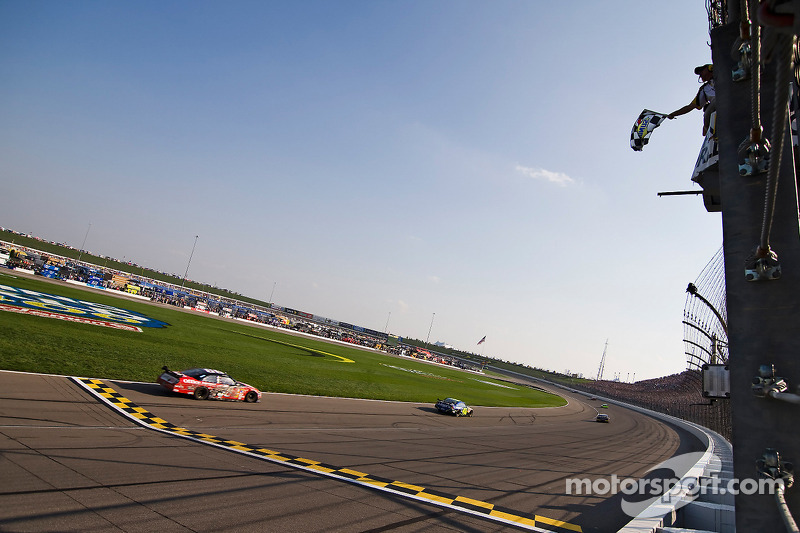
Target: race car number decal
(54, 306)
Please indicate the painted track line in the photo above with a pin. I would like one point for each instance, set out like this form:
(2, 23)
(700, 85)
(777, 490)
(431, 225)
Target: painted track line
(461, 504)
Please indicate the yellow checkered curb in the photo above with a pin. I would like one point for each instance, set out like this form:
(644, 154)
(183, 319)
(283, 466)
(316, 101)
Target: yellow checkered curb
(458, 503)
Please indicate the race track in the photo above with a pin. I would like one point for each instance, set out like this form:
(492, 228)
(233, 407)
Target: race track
(72, 463)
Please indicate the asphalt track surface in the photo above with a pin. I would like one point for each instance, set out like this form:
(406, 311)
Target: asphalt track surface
(72, 463)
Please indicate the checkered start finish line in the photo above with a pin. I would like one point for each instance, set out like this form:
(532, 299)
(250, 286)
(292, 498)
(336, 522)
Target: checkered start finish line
(458, 503)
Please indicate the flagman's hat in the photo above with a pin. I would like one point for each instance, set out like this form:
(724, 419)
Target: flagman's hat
(699, 69)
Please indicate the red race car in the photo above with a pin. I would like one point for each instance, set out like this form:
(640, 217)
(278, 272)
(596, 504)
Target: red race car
(204, 383)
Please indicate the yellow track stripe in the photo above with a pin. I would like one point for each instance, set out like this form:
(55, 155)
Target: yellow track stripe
(459, 503)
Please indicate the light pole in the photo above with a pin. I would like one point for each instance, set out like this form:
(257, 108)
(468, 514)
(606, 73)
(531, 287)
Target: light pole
(386, 327)
(189, 263)
(80, 253)
(429, 330)
(272, 293)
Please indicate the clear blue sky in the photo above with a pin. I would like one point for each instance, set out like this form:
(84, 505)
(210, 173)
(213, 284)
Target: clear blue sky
(373, 161)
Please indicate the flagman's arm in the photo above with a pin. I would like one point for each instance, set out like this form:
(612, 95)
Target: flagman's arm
(682, 111)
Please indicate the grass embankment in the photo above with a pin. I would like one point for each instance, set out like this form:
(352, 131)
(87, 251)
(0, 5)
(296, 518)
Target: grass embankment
(265, 358)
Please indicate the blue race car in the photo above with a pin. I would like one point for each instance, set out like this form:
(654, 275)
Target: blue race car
(451, 406)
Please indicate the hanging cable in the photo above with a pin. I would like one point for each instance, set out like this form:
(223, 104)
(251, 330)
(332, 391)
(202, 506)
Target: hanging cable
(786, 514)
(755, 84)
(770, 466)
(783, 55)
(755, 150)
(776, 44)
(740, 50)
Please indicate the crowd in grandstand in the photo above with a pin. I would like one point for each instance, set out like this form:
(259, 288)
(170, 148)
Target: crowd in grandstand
(678, 395)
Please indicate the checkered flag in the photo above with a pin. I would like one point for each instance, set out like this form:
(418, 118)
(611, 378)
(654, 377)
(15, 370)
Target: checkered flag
(644, 126)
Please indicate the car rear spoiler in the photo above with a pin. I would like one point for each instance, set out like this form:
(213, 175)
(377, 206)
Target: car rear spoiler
(170, 372)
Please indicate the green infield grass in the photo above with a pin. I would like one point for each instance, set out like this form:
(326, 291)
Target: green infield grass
(263, 357)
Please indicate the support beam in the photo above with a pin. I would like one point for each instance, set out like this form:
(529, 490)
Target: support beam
(763, 316)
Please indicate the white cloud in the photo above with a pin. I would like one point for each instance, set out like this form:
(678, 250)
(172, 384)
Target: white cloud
(434, 279)
(559, 178)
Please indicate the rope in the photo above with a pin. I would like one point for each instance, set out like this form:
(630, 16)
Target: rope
(755, 75)
(783, 54)
(755, 149)
(786, 514)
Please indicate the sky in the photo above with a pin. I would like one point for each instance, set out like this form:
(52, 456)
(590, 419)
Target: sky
(439, 169)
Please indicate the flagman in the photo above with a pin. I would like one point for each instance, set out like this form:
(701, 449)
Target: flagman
(704, 99)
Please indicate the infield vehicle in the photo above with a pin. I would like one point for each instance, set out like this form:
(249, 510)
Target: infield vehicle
(452, 406)
(204, 383)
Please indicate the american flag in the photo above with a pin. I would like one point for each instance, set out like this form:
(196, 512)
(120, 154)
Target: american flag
(482, 340)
